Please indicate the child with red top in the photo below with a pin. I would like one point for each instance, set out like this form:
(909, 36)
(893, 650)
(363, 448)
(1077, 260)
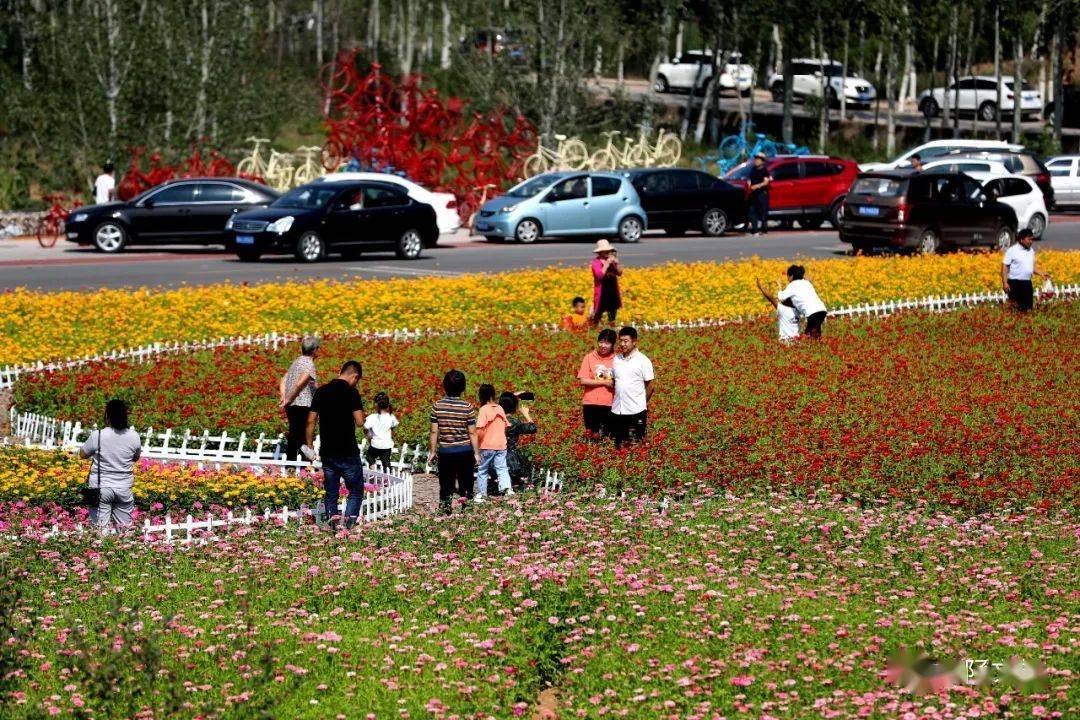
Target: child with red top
(491, 424)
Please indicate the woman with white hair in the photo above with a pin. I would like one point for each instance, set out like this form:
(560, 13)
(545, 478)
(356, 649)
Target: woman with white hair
(297, 388)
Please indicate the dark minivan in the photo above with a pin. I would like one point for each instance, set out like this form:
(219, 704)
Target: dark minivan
(313, 220)
(677, 200)
(923, 211)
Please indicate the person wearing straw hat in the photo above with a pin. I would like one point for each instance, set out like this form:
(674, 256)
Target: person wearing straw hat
(606, 272)
(758, 206)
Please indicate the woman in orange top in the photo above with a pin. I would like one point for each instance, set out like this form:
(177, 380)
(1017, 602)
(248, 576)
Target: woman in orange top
(596, 377)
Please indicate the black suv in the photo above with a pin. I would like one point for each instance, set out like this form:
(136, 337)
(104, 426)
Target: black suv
(677, 200)
(923, 211)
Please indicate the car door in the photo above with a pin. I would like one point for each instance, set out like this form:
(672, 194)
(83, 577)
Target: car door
(805, 82)
(165, 214)
(213, 204)
(687, 200)
(784, 191)
(566, 206)
(607, 197)
(678, 72)
(984, 219)
(1065, 178)
(954, 216)
(816, 185)
(347, 220)
(654, 189)
(966, 93)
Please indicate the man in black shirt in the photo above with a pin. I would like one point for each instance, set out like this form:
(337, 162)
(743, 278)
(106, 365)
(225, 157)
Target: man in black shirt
(758, 207)
(338, 408)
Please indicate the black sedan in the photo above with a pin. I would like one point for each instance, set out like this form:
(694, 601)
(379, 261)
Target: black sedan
(351, 217)
(192, 210)
(677, 200)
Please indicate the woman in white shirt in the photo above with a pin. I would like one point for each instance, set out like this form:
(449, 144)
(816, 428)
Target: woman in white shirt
(115, 449)
(805, 299)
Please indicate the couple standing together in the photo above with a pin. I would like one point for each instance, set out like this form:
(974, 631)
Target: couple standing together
(618, 387)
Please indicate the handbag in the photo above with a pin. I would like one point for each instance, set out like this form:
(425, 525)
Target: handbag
(91, 496)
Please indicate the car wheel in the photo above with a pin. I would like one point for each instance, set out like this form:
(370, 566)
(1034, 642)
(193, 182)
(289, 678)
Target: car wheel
(987, 111)
(811, 223)
(1037, 224)
(929, 242)
(528, 231)
(110, 237)
(1004, 237)
(630, 229)
(310, 247)
(715, 222)
(661, 84)
(777, 91)
(836, 215)
(929, 107)
(409, 245)
(248, 255)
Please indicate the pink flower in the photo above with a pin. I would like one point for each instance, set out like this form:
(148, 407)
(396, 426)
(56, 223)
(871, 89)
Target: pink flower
(742, 680)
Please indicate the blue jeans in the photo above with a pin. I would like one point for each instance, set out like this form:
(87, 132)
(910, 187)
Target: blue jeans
(487, 459)
(351, 470)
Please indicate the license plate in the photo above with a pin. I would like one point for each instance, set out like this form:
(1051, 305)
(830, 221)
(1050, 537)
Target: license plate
(869, 210)
(483, 226)
(245, 239)
(864, 96)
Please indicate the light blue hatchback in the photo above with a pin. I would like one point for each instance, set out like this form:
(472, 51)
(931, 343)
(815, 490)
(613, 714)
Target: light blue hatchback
(560, 204)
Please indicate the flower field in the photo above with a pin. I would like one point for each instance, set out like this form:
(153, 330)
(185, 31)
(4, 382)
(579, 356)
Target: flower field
(973, 408)
(549, 607)
(43, 326)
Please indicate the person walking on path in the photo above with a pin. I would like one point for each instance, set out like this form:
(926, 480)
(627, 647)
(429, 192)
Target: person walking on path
(115, 449)
(758, 205)
(379, 427)
(297, 389)
(633, 373)
(606, 272)
(595, 375)
(804, 299)
(105, 185)
(787, 317)
(1017, 268)
(453, 441)
(517, 465)
(491, 426)
(338, 409)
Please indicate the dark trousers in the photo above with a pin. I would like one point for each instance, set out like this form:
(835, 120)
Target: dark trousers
(1021, 294)
(457, 472)
(611, 310)
(596, 419)
(629, 428)
(757, 213)
(297, 415)
(351, 470)
(375, 456)
(813, 323)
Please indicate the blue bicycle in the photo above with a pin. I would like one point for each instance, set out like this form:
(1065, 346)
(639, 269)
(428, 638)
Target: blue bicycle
(735, 149)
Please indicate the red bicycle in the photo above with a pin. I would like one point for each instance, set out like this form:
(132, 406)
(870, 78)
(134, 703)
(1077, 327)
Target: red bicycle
(50, 227)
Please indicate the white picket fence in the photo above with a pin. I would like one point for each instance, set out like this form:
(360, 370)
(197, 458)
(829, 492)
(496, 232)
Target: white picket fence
(10, 374)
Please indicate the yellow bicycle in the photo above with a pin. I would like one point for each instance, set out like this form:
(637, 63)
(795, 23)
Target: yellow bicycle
(254, 165)
(310, 165)
(279, 170)
(611, 157)
(571, 154)
(665, 153)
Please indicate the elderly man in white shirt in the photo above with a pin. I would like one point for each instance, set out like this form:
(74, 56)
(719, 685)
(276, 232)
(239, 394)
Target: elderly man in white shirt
(1017, 268)
(633, 375)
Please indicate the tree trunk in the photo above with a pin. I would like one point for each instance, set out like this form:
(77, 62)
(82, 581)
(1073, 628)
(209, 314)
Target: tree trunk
(654, 67)
(904, 75)
(679, 38)
(823, 118)
(969, 63)
(950, 70)
(1057, 70)
(890, 112)
(787, 124)
(317, 9)
(778, 45)
(997, 69)
(619, 73)
(862, 48)
(444, 54)
(1018, 85)
(598, 61)
(844, 72)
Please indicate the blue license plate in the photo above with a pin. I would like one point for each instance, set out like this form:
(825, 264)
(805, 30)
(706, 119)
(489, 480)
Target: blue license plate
(245, 239)
(483, 226)
(869, 210)
(863, 97)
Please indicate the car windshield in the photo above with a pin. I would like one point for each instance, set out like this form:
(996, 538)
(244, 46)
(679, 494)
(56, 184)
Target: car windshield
(882, 187)
(1025, 87)
(832, 70)
(532, 187)
(309, 198)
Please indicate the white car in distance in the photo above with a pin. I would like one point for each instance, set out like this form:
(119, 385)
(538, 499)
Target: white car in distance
(444, 204)
(935, 149)
(1065, 178)
(692, 71)
(1021, 194)
(979, 94)
(968, 165)
(806, 82)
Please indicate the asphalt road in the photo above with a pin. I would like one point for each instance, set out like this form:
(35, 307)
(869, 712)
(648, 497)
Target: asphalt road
(67, 267)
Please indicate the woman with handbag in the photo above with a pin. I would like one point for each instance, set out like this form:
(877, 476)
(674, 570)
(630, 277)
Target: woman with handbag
(115, 450)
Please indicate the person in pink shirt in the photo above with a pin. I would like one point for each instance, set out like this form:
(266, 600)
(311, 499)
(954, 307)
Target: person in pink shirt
(606, 272)
(491, 424)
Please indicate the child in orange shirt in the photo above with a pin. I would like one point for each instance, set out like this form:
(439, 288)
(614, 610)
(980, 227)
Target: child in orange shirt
(491, 424)
(577, 319)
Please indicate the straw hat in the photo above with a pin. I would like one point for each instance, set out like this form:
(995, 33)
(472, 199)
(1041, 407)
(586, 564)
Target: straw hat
(603, 246)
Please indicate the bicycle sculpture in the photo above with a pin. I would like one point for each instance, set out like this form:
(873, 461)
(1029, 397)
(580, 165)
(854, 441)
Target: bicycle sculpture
(382, 122)
(137, 179)
(572, 154)
(736, 149)
(50, 226)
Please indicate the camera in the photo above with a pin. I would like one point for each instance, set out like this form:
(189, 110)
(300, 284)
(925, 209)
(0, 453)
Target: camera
(526, 396)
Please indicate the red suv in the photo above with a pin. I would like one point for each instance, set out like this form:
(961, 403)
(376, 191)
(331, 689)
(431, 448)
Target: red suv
(807, 188)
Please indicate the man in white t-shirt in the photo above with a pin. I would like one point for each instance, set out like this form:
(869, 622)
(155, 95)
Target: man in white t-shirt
(105, 185)
(1017, 269)
(633, 375)
(804, 299)
(787, 317)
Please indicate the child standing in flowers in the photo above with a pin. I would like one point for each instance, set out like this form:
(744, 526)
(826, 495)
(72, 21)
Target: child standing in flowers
(379, 428)
(491, 425)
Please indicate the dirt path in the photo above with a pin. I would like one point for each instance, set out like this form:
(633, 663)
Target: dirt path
(547, 705)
